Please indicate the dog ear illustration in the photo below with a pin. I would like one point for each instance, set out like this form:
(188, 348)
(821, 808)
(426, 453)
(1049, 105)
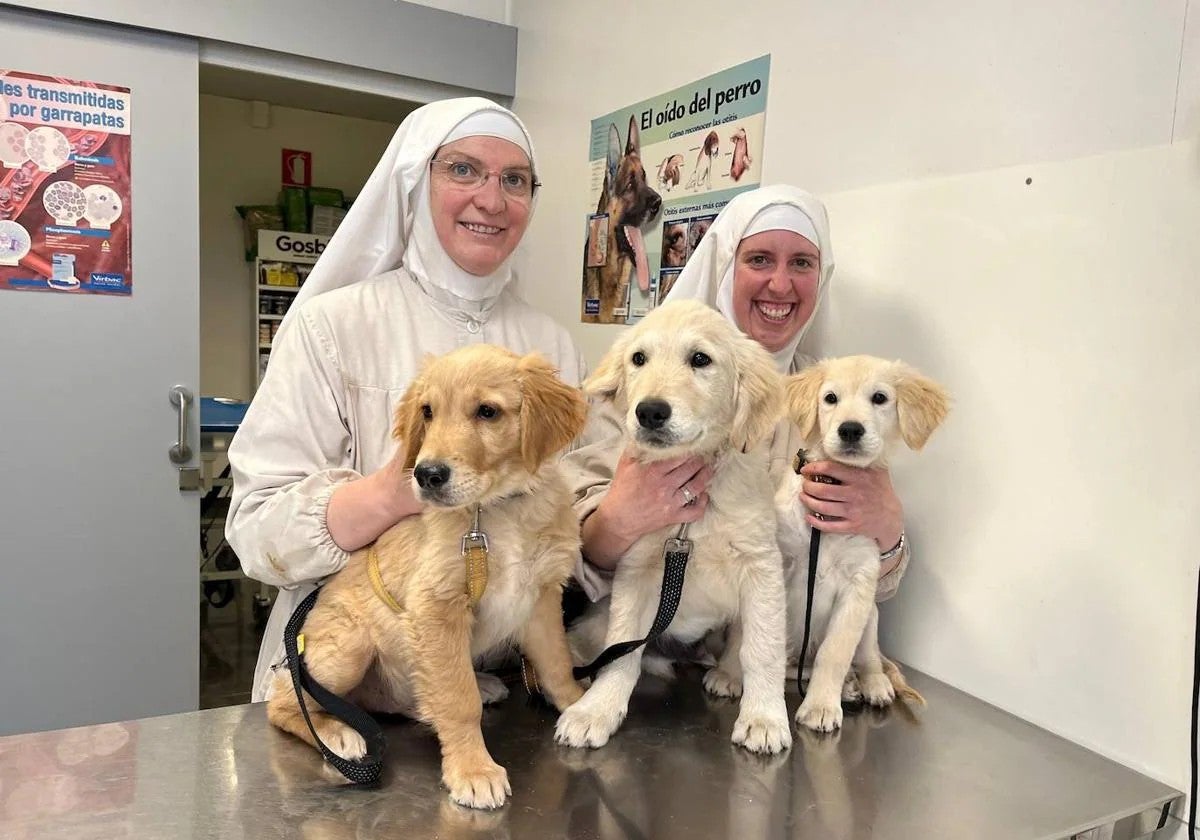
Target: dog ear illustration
(614, 157)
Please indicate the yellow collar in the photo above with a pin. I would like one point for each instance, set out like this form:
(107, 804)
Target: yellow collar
(475, 557)
(377, 581)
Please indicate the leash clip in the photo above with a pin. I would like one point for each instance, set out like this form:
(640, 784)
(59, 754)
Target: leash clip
(475, 557)
(800, 459)
(474, 541)
(675, 545)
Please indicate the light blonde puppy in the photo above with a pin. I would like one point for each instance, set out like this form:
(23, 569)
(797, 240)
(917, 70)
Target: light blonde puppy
(686, 382)
(479, 426)
(852, 410)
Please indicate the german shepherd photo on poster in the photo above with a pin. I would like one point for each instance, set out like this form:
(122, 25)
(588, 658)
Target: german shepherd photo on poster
(615, 251)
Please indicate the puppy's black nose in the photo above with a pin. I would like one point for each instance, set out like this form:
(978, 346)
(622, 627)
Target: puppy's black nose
(653, 414)
(851, 431)
(431, 476)
(654, 206)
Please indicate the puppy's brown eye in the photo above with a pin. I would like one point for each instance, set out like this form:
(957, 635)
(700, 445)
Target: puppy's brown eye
(700, 360)
(427, 412)
(638, 359)
(487, 412)
(879, 398)
(831, 398)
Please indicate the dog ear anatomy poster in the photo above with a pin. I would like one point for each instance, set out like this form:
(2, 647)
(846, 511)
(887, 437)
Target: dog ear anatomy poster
(64, 185)
(661, 170)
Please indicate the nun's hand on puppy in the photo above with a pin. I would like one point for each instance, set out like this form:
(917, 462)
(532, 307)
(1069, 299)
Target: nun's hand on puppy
(360, 510)
(862, 502)
(642, 498)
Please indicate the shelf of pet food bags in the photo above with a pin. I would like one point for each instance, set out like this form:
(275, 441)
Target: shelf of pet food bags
(283, 262)
(316, 210)
(284, 240)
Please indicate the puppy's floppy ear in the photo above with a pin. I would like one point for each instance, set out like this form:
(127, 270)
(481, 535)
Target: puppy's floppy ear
(552, 412)
(607, 381)
(410, 422)
(921, 405)
(803, 396)
(759, 397)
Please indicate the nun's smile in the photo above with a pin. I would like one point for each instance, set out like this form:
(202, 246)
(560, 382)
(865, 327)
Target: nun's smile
(776, 276)
(485, 231)
(479, 225)
(775, 312)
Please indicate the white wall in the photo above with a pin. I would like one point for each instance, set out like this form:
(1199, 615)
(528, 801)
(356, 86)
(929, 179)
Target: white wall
(1055, 516)
(1055, 520)
(239, 164)
(493, 10)
(862, 92)
(1187, 99)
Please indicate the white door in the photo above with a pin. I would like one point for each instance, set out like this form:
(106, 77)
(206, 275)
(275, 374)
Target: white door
(98, 546)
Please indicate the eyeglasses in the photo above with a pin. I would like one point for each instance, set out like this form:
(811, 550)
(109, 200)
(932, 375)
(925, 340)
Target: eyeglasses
(518, 184)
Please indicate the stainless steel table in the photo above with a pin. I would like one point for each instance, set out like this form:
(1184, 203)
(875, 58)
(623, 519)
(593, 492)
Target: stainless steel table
(960, 769)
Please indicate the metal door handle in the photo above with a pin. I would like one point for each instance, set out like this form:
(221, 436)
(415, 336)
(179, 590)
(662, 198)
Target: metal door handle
(181, 398)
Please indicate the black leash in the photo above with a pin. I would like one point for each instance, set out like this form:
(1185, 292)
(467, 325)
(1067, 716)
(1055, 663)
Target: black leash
(367, 771)
(814, 551)
(1195, 791)
(676, 552)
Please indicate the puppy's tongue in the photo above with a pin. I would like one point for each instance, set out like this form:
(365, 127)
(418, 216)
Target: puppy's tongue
(634, 236)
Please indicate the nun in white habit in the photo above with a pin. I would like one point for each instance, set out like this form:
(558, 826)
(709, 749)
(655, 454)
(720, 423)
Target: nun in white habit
(421, 265)
(765, 264)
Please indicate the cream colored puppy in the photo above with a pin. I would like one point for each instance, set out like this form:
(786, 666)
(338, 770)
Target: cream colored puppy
(686, 382)
(852, 410)
(481, 429)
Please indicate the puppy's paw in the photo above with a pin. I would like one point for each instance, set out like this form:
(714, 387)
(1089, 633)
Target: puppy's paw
(658, 666)
(722, 684)
(759, 733)
(343, 740)
(481, 785)
(582, 725)
(819, 715)
(491, 688)
(851, 690)
(877, 689)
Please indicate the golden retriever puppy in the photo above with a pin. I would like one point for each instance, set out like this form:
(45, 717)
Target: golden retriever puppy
(480, 429)
(686, 382)
(852, 410)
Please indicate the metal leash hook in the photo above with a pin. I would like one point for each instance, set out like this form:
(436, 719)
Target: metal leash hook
(475, 556)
